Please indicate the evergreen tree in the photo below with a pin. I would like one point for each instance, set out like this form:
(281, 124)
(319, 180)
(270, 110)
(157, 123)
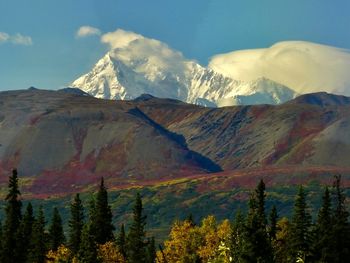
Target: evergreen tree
(56, 235)
(12, 220)
(300, 235)
(151, 251)
(1, 237)
(38, 248)
(121, 241)
(136, 245)
(238, 238)
(322, 248)
(258, 244)
(24, 234)
(102, 220)
(92, 214)
(88, 247)
(260, 200)
(273, 223)
(76, 224)
(340, 233)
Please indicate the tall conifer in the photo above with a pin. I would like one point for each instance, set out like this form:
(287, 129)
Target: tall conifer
(102, 220)
(1, 237)
(121, 241)
(258, 244)
(273, 223)
(12, 220)
(151, 251)
(38, 248)
(24, 234)
(300, 235)
(56, 235)
(322, 245)
(238, 237)
(88, 247)
(76, 224)
(340, 225)
(136, 245)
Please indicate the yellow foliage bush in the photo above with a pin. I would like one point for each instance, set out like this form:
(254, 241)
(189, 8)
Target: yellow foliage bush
(62, 255)
(109, 253)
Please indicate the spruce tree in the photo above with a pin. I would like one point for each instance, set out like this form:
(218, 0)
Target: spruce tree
(258, 244)
(38, 248)
(260, 200)
(322, 245)
(340, 233)
(238, 238)
(273, 223)
(102, 219)
(88, 247)
(56, 235)
(1, 237)
(12, 220)
(121, 241)
(92, 216)
(300, 235)
(136, 245)
(76, 224)
(151, 251)
(24, 234)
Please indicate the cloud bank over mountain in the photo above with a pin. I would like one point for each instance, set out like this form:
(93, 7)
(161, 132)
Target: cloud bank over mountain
(302, 66)
(135, 65)
(119, 38)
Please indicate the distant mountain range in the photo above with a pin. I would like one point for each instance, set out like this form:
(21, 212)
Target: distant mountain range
(68, 140)
(149, 66)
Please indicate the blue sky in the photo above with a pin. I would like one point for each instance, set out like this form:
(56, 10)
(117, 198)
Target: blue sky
(39, 47)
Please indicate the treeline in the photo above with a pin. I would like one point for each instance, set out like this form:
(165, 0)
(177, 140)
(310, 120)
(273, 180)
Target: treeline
(90, 237)
(257, 236)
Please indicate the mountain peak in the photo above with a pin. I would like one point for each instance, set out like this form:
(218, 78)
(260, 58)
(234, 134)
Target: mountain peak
(138, 65)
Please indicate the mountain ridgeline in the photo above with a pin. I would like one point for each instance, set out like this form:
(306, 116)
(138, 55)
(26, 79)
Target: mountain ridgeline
(68, 140)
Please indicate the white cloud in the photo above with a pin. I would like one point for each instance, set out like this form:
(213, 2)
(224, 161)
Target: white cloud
(4, 37)
(21, 40)
(119, 38)
(302, 66)
(144, 54)
(86, 31)
(17, 39)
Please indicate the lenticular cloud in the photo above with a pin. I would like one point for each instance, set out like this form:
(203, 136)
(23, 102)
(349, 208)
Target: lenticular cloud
(302, 66)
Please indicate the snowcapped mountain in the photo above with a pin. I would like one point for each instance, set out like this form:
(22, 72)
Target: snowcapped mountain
(137, 65)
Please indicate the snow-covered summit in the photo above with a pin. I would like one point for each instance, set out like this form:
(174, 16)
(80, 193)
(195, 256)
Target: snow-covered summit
(136, 65)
